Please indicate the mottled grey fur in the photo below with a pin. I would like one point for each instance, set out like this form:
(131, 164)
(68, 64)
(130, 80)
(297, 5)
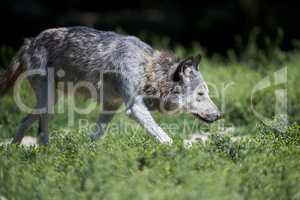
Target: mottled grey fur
(131, 68)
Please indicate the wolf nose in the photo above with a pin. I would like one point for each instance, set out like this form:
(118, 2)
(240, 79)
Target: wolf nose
(214, 116)
(220, 115)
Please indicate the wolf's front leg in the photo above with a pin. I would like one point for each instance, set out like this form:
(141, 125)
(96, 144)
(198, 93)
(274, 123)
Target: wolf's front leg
(104, 118)
(139, 112)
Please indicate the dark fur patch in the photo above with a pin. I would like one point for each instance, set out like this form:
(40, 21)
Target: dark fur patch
(159, 74)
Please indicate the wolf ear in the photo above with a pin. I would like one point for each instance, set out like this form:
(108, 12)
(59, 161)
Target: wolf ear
(182, 66)
(190, 62)
(197, 60)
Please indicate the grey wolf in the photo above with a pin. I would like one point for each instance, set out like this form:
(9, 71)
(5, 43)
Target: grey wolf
(133, 71)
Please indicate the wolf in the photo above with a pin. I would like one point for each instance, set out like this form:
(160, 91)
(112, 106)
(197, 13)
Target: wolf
(142, 78)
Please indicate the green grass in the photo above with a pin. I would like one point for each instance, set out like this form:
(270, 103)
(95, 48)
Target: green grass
(129, 164)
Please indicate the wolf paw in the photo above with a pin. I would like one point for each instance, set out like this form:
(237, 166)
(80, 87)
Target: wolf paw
(166, 140)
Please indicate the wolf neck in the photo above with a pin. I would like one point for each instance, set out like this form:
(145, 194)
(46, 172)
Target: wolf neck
(158, 74)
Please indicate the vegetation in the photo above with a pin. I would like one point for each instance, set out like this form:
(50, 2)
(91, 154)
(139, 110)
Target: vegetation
(128, 164)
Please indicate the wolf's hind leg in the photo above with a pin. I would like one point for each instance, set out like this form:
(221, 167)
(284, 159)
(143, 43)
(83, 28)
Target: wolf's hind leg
(25, 123)
(43, 137)
(39, 85)
(46, 100)
(43, 130)
(140, 113)
(104, 118)
(45, 103)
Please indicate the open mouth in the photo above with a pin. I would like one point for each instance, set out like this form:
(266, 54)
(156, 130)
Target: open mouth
(202, 118)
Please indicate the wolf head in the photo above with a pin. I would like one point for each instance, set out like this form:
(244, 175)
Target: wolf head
(190, 92)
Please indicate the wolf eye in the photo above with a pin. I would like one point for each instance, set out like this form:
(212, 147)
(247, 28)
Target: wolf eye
(200, 93)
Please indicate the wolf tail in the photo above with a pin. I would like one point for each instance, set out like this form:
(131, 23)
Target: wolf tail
(16, 67)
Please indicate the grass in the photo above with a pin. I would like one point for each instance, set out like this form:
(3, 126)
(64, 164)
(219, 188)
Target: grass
(128, 164)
